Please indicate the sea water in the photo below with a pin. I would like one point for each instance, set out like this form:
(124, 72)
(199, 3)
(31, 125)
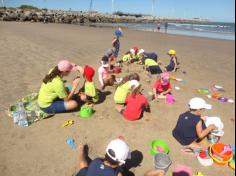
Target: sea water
(217, 30)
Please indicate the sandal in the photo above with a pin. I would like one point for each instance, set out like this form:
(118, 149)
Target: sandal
(67, 123)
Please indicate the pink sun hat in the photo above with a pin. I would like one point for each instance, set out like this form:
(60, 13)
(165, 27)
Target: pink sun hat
(66, 66)
(165, 77)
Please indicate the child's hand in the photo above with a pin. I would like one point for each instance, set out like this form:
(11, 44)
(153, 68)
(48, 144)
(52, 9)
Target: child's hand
(212, 127)
(76, 82)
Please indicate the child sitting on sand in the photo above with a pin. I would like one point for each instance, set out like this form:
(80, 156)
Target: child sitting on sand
(106, 78)
(136, 104)
(190, 128)
(53, 96)
(124, 87)
(90, 92)
(173, 65)
(117, 153)
(162, 86)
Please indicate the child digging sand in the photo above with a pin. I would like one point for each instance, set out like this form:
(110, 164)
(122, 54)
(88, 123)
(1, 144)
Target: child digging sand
(190, 128)
(117, 152)
(124, 87)
(136, 104)
(173, 65)
(106, 78)
(162, 86)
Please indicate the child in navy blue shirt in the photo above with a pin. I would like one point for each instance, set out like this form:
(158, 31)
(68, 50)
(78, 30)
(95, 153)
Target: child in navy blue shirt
(117, 152)
(190, 128)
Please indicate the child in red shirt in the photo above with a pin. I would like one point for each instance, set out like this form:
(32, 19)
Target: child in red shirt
(162, 86)
(136, 104)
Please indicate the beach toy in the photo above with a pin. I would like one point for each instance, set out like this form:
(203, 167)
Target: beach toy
(232, 162)
(162, 161)
(216, 95)
(223, 99)
(204, 160)
(67, 123)
(177, 88)
(212, 138)
(215, 121)
(199, 174)
(86, 112)
(170, 99)
(69, 87)
(158, 146)
(203, 91)
(230, 101)
(180, 170)
(219, 88)
(215, 154)
(71, 143)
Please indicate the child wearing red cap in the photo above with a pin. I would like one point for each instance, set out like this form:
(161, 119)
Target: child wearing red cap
(162, 86)
(90, 92)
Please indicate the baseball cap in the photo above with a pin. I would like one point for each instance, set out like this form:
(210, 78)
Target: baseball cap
(66, 66)
(141, 51)
(198, 103)
(134, 83)
(89, 73)
(118, 150)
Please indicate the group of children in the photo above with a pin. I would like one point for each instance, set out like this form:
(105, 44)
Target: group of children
(54, 97)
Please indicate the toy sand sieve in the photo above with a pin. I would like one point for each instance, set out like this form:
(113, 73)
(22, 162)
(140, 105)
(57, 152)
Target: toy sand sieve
(158, 146)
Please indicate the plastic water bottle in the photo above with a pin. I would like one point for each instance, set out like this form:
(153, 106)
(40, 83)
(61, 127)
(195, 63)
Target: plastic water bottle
(22, 116)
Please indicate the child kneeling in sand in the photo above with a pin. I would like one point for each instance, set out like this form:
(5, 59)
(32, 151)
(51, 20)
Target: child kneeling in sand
(117, 153)
(124, 87)
(136, 104)
(190, 128)
(152, 67)
(105, 77)
(162, 86)
(90, 92)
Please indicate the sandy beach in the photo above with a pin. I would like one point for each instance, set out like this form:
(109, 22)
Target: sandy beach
(29, 50)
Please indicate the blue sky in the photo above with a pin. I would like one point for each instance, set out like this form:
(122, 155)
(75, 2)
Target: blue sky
(215, 10)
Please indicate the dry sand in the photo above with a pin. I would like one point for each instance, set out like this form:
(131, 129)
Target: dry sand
(28, 51)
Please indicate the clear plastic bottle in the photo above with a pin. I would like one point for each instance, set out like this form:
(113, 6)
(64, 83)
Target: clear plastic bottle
(22, 121)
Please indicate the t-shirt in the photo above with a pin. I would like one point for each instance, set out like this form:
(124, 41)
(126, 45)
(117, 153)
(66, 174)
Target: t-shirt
(91, 91)
(150, 62)
(102, 74)
(161, 88)
(126, 57)
(135, 106)
(97, 168)
(121, 93)
(51, 91)
(185, 131)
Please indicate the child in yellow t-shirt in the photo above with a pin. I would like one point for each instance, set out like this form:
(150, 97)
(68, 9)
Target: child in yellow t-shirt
(90, 92)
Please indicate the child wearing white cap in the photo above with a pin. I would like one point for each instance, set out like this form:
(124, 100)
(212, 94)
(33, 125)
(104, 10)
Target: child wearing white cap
(190, 128)
(117, 153)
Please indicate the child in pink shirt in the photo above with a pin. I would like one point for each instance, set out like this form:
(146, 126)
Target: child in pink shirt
(104, 76)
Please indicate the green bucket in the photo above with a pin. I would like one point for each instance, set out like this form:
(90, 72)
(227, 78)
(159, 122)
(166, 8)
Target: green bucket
(159, 146)
(86, 112)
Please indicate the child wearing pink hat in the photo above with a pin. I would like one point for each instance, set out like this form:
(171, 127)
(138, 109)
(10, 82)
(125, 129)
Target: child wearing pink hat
(90, 92)
(162, 86)
(53, 96)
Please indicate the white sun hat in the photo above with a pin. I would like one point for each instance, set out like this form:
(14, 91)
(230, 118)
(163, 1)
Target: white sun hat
(199, 103)
(119, 149)
(141, 51)
(134, 83)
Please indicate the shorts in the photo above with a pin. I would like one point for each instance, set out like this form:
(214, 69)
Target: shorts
(154, 69)
(82, 172)
(116, 53)
(56, 107)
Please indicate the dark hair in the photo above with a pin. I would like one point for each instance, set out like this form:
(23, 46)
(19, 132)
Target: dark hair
(133, 76)
(111, 161)
(128, 52)
(49, 77)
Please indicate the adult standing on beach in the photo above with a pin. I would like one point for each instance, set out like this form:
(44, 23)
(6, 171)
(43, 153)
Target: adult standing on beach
(158, 26)
(53, 96)
(166, 27)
